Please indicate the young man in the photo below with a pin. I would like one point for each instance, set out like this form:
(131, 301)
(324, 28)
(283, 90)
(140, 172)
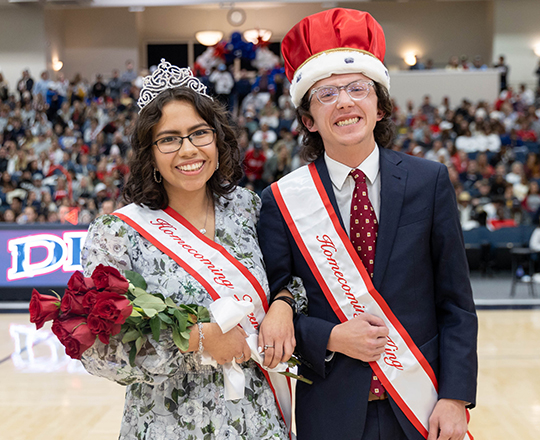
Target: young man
(389, 333)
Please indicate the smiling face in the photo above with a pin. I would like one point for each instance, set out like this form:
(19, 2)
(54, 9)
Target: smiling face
(346, 126)
(186, 171)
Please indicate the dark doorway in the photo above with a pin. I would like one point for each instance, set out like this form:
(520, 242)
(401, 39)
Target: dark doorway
(176, 54)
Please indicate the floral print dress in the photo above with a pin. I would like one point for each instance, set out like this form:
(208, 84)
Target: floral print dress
(170, 395)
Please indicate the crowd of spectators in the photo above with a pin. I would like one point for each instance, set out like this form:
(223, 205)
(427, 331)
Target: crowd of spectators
(64, 144)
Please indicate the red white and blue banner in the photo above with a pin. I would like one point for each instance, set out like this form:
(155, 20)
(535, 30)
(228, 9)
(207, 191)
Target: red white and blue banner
(39, 255)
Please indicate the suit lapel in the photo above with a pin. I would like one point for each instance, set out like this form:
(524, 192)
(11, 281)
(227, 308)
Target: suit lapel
(322, 169)
(393, 182)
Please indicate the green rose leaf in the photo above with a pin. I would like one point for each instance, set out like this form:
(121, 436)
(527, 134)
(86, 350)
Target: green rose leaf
(135, 314)
(150, 312)
(130, 335)
(137, 291)
(203, 313)
(189, 308)
(139, 342)
(170, 302)
(132, 354)
(182, 318)
(155, 326)
(181, 343)
(150, 303)
(165, 318)
(136, 279)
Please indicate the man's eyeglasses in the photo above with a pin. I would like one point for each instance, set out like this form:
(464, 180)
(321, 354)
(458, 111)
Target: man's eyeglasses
(356, 90)
(199, 138)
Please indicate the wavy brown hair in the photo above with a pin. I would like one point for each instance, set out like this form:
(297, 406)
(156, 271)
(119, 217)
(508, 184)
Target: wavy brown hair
(141, 187)
(312, 144)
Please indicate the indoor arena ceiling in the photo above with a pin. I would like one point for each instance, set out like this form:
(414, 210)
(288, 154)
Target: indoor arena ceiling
(137, 4)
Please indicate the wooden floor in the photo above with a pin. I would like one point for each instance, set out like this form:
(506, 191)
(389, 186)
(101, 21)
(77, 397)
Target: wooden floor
(43, 396)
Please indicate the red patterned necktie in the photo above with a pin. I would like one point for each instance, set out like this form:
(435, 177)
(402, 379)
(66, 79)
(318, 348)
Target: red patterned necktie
(363, 222)
(363, 232)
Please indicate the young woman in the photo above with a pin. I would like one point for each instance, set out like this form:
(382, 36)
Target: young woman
(185, 164)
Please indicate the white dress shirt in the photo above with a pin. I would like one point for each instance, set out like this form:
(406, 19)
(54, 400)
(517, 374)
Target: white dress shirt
(343, 184)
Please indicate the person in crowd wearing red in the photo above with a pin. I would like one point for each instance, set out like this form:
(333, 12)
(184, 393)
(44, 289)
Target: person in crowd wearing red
(254, 161)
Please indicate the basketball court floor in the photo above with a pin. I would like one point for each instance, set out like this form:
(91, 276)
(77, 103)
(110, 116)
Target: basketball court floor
(46, 396)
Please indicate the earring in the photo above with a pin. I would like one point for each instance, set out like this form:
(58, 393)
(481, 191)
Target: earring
(217, 165)
(155, 176)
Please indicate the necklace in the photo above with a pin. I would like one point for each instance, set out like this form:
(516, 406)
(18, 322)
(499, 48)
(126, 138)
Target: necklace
(203, 229)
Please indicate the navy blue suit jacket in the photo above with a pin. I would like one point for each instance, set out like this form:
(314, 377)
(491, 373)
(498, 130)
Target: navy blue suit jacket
(420, 270)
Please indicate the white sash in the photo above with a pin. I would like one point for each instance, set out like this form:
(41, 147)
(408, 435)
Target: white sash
(402, 369)
(238, 296)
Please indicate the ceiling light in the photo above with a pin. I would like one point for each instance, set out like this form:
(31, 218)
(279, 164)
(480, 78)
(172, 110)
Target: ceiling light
(209, 38)
(256, 35)
(410, 58)
(57, 65)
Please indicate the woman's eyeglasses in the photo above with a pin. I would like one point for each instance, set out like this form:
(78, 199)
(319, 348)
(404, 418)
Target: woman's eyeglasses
(199, 138)
(356, 90)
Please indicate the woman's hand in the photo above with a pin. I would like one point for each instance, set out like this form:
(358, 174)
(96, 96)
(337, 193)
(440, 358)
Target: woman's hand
(226, 347)
(276, 333)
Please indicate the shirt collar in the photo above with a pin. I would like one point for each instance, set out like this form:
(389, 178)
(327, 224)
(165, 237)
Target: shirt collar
(339, 172)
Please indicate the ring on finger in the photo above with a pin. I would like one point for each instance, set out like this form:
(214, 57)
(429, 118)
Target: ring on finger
(268, 346)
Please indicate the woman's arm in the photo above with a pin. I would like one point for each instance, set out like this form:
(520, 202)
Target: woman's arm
(112, 243)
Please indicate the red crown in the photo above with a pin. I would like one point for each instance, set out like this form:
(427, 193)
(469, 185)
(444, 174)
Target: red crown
(333, 42)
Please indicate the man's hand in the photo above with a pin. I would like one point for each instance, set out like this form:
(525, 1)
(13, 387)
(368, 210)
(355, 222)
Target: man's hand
(448, 420)
(363, 338)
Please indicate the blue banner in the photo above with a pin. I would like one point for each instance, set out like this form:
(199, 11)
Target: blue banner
(39, 256)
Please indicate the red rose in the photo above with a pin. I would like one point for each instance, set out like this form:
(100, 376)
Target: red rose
(43, 308)
(63, 326)
(79, 341)
(103, 328)
(72, 303)
(108, 277)
(89, 299)
(74, 334)
(112, 307)
(79, 285)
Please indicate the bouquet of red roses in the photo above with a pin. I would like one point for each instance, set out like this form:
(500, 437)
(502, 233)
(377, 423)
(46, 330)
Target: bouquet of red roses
(107, 304)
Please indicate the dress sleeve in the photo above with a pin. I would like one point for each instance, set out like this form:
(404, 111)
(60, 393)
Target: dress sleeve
(111, 242)
(298, 291)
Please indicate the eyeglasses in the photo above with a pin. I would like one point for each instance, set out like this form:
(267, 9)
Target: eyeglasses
(199, 138)
(356, 90)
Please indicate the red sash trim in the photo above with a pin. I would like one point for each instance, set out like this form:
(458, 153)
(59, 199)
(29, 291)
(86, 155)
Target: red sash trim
(212, 292)
(305, 253)
(371, 289)
(223, 252)
(289, 385)
(367, 279)
(171, 254)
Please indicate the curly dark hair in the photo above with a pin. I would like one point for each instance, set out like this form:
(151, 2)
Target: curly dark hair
(312, 144)
(141, 187)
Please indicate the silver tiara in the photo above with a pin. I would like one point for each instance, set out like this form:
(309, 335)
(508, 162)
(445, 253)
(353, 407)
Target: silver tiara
(167, 76)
